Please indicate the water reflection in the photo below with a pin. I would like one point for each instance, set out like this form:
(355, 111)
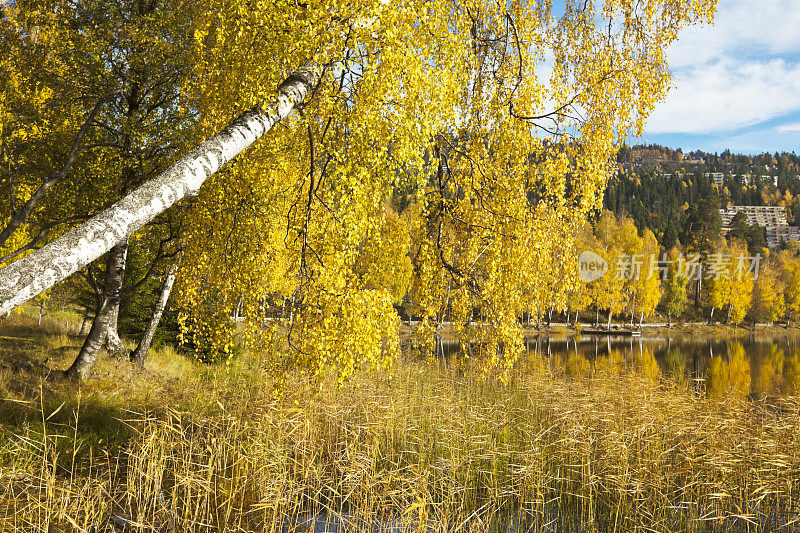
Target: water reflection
(719, 367)
(743, 367)
(729, 374)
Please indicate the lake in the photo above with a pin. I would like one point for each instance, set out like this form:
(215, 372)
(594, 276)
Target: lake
(755, 366)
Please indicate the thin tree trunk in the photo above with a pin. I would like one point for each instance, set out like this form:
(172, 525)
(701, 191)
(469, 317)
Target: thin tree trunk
(82, 332)
(610, 314)
(698, 287)
(113, 343)
(140, 353)
(31, 275)
(41, 311)
(115, 268)
(18, 216)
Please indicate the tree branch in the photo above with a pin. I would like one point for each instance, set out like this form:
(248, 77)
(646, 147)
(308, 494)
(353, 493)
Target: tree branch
(20, 215)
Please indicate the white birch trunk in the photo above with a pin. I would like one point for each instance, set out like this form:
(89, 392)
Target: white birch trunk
(114, 344)
(115, 269)
(27, 277)
(138, 356)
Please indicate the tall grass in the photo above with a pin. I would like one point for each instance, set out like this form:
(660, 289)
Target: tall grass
(432, 448)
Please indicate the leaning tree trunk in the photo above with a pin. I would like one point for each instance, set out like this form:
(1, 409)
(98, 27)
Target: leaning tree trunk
(27, 277)
(140, 353)
(109, 300)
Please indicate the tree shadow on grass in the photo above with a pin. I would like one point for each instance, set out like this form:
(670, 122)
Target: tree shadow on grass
(76, 419)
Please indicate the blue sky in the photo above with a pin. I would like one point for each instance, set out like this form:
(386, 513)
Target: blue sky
(736, 83)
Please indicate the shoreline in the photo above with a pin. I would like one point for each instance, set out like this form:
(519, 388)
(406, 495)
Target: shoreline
(645, 331)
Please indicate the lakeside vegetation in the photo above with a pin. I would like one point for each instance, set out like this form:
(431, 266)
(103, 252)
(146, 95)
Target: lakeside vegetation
(211, 448)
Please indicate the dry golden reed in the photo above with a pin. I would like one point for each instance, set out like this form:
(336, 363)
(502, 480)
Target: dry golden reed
(429, 449)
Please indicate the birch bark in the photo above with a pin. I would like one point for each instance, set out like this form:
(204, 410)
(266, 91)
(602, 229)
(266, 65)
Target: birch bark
(113, 343)
(27, 277)
(140, 353)
(109, 300)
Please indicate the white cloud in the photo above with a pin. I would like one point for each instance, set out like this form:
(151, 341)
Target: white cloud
(741, 28)
(740, 72)
(728, 94)
(789, 128)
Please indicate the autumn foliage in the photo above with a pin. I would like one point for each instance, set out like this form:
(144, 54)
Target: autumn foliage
(449, 153)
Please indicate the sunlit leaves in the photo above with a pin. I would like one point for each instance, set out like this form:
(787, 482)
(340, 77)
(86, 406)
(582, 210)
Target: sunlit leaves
(499, 119)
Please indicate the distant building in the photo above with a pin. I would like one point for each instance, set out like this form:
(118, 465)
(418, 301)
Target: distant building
(718, 177)
(763, 215)
(776, 234)
(771, 217)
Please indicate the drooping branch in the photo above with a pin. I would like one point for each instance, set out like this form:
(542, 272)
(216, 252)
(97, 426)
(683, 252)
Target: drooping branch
(18, 216)
(37, 272)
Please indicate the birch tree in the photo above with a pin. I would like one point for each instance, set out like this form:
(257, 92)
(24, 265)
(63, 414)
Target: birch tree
(448, 96)
(140, 353)
(768, 300)
(34, 273)
(675, 297)
(49, 104)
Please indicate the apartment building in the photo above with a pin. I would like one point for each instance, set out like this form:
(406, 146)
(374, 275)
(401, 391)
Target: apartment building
(771, 217)
(776, 234)
(718, 177)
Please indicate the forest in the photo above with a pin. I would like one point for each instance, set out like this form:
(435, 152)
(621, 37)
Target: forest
(658, 191)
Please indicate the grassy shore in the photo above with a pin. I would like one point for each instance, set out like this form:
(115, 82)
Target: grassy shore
(181, 447)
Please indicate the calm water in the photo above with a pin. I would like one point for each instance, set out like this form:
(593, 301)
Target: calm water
(754, 366)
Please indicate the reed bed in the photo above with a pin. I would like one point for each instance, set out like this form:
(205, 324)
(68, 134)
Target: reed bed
(429, 449)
